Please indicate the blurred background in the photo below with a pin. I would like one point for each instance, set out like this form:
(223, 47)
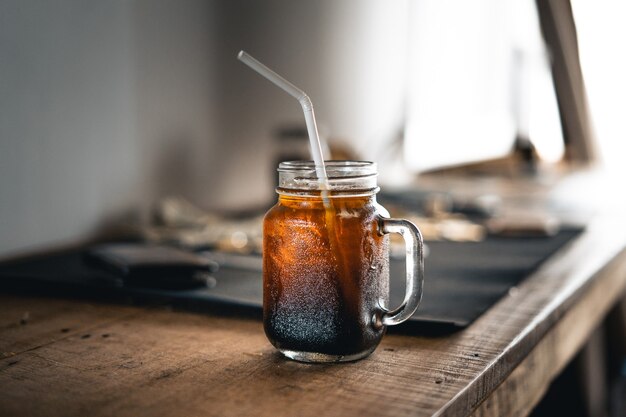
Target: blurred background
(108, 107)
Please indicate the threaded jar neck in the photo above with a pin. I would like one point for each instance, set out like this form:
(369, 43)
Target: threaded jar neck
(345, 178)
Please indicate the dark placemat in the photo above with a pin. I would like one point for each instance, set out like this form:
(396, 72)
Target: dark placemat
(462, 280)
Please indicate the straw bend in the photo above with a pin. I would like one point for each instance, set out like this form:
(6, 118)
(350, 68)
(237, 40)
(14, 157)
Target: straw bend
(306, 103)
(278, 80)
(309, 115)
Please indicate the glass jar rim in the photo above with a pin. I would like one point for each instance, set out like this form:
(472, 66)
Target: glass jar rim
(345, 178)
(334, 168)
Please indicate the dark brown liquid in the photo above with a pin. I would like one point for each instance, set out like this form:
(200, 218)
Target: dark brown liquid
(324, 272)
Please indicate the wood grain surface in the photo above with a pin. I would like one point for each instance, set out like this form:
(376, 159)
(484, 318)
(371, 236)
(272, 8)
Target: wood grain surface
(72, 358)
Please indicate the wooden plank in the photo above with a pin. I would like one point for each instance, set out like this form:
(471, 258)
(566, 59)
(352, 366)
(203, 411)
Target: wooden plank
(523, 319)
(27, 323)
(157, 362)
(559, 31)
(534, 374)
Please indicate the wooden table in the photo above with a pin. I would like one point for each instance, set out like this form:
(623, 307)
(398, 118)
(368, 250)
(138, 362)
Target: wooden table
(74, 358)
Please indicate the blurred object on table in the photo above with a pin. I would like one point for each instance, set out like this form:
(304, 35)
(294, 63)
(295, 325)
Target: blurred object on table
(178, 222)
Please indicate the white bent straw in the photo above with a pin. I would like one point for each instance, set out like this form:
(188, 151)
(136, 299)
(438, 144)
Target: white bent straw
(307, 107)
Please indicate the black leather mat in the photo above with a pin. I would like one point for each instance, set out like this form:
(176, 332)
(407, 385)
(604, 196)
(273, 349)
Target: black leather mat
(462, 280)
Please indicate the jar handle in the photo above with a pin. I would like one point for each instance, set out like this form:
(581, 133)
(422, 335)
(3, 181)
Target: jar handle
(414, 244)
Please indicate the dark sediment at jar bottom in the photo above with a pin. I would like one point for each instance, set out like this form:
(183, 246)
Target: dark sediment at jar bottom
(322, 330)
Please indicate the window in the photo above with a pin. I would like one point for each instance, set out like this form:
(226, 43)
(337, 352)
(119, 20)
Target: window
(479, 77)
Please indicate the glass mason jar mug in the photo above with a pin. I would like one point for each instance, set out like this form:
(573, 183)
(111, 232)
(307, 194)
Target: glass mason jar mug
(326, 264)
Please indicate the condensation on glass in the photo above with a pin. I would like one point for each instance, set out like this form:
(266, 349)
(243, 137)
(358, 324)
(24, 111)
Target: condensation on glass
(326, 264)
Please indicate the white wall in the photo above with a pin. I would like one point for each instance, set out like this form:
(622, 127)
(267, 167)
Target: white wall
(601, 35)
(107, 106)
(104, 107)
(67, 147)
(349, 56)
